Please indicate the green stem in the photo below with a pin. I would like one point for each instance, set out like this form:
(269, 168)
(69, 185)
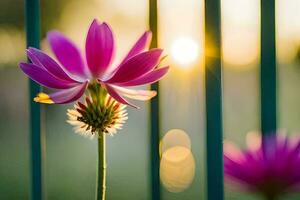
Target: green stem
(101, 181)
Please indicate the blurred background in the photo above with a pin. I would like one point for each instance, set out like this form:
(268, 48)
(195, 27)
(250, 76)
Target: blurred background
(70, 160)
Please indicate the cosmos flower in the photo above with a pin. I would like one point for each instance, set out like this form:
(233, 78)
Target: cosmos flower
(111, 115)
(271, 169)
(73, 74)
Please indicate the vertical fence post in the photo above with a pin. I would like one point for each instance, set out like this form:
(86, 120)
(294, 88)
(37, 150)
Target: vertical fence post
(32, 12)
(154, 111)
(213, 88)
(268, 67)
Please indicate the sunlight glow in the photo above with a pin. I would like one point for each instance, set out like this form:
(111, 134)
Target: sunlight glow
(253, 140)
(240, 33)
(12, 45)
(184, 50)
(177, 164)
(177, 169)
(175, 137)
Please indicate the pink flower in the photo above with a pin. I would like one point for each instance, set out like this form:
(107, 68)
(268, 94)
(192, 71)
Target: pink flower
(271, 168)
(72, 75)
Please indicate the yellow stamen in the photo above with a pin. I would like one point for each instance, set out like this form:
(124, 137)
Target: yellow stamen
(43, 98)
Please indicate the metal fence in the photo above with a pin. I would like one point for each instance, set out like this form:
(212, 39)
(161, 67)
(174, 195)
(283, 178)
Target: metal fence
(213, 88)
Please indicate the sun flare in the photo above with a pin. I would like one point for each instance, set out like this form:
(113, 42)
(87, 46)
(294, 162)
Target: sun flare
(184, 50)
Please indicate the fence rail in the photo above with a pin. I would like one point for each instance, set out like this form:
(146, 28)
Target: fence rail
(32, 12)
(268, 68)
(213, 88)
(213, 80)
(154, 110)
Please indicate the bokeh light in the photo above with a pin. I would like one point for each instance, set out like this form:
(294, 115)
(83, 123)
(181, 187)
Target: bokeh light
(185, 51)
(173, 138)
(253, 140)
(177, 165)
(240, 33)
(177, 169)
(12, 46)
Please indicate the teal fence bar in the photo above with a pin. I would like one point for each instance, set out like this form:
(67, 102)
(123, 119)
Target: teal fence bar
(213, 88)
(154, 112)
(268, 67)
(32, 8)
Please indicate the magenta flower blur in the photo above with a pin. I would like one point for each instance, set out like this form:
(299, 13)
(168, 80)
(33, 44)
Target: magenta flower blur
(272, 169)
(73, 74)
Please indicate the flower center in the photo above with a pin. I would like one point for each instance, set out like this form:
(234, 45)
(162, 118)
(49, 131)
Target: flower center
(97, 116)
(100, 111)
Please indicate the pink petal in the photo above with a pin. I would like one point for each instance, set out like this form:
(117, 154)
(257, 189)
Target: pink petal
(136, 66)
(114, 94)
(41, 59)
(142, 95)
(99, 48)
(141, 45)
(67, 95)
(43, 77)
(148, 78)
(67, 54)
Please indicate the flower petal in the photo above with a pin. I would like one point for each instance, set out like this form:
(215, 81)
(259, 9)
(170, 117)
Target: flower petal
(136, 66)
(99, 48)
(142, 95)
(148, 78)
(67, 54)
(141, 45)
(114, 94)
(43, 77)
(62, 96)
(41, 59)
